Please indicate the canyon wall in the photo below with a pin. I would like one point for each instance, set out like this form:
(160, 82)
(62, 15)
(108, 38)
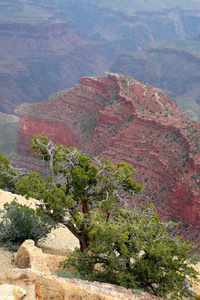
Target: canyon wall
(126, 120)
(57, 130)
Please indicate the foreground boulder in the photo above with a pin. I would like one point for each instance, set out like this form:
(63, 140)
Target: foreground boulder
(11, 292)
(29, 256)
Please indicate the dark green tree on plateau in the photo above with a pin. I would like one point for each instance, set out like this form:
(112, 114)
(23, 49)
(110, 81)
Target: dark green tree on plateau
(132, 246)
(76, 185)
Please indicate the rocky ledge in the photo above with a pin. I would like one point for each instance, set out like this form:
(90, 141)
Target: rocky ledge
(34, 276)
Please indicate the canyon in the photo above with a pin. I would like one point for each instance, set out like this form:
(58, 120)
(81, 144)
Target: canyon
(46, 47)
(39, 60)
(125, 120)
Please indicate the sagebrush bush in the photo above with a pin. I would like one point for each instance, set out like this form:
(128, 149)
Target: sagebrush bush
(20, 222)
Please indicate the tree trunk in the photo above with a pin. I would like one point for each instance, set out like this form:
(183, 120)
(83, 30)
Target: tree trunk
(83, 245)
(83, 238)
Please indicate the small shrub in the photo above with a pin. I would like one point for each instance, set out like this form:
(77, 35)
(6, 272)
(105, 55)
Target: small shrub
(20, 222)
(11, 247)
(65, 274)
(138, 291)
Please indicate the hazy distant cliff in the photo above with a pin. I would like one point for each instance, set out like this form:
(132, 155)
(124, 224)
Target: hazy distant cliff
(39, 60)
(124, 119)
(167, 64)
(46, 48)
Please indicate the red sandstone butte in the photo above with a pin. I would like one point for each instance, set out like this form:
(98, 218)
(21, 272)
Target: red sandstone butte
(126, 120)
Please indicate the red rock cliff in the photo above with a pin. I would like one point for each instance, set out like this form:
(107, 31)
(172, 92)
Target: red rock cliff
(125, 119)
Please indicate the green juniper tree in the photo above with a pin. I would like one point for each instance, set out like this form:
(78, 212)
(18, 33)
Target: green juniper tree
(132, 246)
(134, 249)
(8, 175)
(76, 185)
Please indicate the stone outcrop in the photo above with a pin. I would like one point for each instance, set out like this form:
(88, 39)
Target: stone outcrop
(44, 286)
(29, 256)
(11, 292)
(126, 120)
(51, 287)
(17, 276)
(59, 128)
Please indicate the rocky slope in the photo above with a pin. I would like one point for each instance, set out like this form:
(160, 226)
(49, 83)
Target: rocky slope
(31, 266)
(124, 119)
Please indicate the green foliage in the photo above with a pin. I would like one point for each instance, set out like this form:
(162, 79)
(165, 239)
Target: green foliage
(138, 291)
(7, 173)
(9, 246)
(65, 274)
(134, 249)
(129, 118)
(20, 222)
(173, 98)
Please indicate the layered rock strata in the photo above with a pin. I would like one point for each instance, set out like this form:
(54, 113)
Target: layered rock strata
(126, 120)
